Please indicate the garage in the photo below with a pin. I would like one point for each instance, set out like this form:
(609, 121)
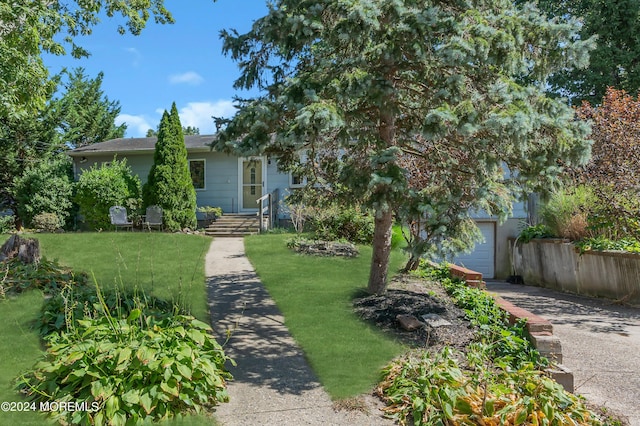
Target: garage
(482, 258)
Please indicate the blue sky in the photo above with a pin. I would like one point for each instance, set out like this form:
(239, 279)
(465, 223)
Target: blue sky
(181, 63)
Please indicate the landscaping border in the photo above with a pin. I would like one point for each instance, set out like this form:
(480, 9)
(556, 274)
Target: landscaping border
(539, 329)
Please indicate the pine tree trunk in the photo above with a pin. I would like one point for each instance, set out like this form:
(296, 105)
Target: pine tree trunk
(381, 252)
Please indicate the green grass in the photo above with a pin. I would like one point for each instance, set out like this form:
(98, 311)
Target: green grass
(170, 266)
(315, 295)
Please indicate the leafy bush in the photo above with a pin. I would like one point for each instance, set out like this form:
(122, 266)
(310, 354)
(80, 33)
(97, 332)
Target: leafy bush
(567, 211)
(45, 187)
(630, 245)
(130, 370)
(61, 311)
(531, 232)
(336, 222)
(436, 390)
(46, 275)
(47, 222)
(7, 224)
(102, 187)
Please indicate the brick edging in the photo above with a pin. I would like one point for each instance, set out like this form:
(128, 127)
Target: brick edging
(539, 329)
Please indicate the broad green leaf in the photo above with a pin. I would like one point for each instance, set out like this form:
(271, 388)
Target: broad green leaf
(112, 406)
(201, 325)
(184, 370)
(131, 397)
(170, 387)
(134, 315)
(147, 403)
(197, 336)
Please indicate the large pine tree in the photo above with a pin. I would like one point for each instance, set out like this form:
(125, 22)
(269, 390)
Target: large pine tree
(169, 184)
(457, 85)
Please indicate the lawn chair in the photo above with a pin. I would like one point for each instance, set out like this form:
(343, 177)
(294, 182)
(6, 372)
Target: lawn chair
(153, 217)
(118, 216)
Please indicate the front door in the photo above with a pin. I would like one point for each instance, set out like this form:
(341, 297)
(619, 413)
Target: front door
(251, 176)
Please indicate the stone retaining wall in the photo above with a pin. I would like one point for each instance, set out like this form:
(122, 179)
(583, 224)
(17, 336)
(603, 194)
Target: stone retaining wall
(557, 264)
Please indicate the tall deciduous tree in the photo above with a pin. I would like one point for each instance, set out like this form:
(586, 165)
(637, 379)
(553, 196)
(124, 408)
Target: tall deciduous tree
(85, 114)
(169, 184)
(456, 84)
(27, 29)
(616, 60)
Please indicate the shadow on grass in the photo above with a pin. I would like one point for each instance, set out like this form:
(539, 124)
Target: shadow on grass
(258, 341)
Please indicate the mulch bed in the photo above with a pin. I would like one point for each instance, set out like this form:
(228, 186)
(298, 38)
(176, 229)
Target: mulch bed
(407, 295)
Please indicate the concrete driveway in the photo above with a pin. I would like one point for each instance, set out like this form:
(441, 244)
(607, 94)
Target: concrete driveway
(600, 343)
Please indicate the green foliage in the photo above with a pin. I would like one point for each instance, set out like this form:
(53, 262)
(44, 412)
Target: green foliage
(361, 86)
(335, 222)
(535, 231)
(435, 390)
(44, 187)
(500, 382)
(169, 184)
(47, 222)
(29, 30)
(102, 187)
(630, 245)
(613, 62)
(7, 223)
(84, 114)
(566, 213)
(130, 370)
(211, 213)
(60, 312)
(46, 275)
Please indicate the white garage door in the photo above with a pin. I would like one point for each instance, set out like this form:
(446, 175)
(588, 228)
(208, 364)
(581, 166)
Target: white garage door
(482, 258)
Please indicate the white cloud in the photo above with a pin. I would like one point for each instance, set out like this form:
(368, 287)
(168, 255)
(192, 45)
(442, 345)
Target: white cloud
(137, 125)
(198, 114)
(194, 114)
(136, 56)
(192, 78)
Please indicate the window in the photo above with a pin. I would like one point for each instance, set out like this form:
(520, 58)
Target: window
(297, 180)
(197, 170)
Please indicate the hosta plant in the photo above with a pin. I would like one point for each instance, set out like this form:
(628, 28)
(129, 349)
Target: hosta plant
(130, 370)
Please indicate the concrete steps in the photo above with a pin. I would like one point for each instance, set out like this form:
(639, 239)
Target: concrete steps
(234, 225)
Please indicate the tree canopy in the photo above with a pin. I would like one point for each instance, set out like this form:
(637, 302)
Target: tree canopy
(615, 62)
(27, 29)
(457, 85)
(85, 115)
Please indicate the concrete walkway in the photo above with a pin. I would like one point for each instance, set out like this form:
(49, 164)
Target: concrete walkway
(600, 343)
(273, 384)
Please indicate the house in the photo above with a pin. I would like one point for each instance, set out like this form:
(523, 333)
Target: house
(220, 180)
(243, 185)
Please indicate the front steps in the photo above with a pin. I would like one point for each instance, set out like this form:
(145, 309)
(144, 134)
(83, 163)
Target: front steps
(234, 225)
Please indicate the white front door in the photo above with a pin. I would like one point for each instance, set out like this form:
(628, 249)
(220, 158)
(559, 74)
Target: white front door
(251, 177)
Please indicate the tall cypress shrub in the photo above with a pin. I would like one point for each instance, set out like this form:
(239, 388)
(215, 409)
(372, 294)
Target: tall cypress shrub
(169, 183)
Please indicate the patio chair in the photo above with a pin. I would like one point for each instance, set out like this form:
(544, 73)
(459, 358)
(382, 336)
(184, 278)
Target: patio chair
(118, 216)
(153, 217)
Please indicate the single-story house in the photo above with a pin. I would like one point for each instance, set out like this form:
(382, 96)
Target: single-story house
(236, 184)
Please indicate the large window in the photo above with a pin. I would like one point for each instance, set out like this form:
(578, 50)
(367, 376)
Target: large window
(197, 170)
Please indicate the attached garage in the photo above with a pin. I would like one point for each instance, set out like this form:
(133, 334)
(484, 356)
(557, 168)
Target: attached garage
(483, 257)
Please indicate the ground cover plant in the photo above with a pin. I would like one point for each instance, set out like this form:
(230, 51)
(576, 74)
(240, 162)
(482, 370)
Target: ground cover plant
(495, 380)
(315, 295)
(180, 259)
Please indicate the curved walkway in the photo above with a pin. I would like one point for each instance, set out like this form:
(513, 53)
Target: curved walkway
(273, 384)
(600, 343)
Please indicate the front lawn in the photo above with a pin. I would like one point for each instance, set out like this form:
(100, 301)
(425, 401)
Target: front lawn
(169, 266)
(315, 295)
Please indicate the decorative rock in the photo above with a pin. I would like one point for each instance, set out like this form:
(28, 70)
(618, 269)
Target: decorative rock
(409, 322)
(435, 320)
